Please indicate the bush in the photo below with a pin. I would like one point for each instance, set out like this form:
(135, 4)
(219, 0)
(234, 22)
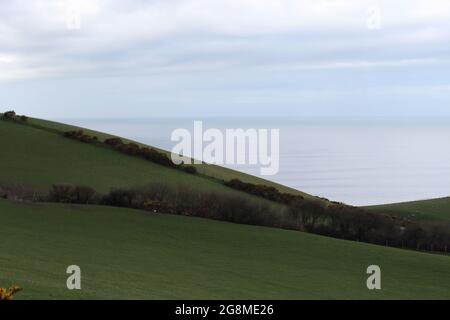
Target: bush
(121, 198)
(189, 169)
(61, 193)
(269, 193)
(9, 114)
(84, 195)
(72, 194)
(156, 156)
(113, 142)
(129, 148)
(80, 136)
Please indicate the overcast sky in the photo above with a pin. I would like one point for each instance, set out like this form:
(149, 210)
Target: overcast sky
(136, 58)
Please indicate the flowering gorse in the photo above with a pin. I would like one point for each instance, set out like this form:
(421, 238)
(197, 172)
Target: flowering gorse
(8, 294)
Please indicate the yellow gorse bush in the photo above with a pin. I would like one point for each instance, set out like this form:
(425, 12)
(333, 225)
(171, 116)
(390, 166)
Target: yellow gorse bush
(8, 294)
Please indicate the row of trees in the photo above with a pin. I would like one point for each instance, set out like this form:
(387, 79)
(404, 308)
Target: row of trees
(347, 222)
(176, 199)
(131, 149)
(269, 193)
(328, 219)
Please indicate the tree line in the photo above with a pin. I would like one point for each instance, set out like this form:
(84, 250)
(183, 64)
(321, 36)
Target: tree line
(308, 215)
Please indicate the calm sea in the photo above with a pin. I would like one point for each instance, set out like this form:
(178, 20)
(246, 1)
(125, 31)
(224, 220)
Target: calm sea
(359, 162)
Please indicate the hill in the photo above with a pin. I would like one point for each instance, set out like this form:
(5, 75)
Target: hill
(127, 253)
(212, 171)
(130, 254)
(434, 209)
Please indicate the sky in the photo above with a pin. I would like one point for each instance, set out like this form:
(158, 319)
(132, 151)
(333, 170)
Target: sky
(208, 58)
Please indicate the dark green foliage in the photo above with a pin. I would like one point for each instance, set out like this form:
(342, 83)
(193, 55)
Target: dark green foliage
(120, 198)
(189, 169)
(351, 223)
(113, 142)
(263, 191)
(157, 157)
(80, 136)
(72, 194)
(11, 115)
(131, 149)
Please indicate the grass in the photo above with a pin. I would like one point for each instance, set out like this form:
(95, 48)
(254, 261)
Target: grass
(129, 254)
(211, 171)
(40, 158)
(126, 253)
(434, 209)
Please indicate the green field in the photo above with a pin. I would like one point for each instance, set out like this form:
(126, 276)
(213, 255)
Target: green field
(435, 210)
(128, 254)
(38, 158)
(132, 254)
(212, 171)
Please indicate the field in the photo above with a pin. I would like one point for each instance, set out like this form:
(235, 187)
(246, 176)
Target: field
(435, 210)
(131, 254)
(38, 158)
(207, 170)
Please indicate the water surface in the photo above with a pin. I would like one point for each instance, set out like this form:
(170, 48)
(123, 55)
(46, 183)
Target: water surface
(359, 162)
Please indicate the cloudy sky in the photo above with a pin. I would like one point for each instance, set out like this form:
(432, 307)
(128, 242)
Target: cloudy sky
(115, 58)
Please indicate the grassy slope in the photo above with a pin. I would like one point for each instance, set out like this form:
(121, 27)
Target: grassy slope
(435, 209)
(39, 158)
(131, 254)
(213, 171)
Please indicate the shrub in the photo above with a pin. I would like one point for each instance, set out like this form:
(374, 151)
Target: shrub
(120, 198)
(80, 136)
(113, 142)
(189, 169)
(8, 294)
(128, 148)
(9, 114)
(158, 206)
(84, 195)
(72, 194)
(269, 193)
(156, 156)
(61, 193)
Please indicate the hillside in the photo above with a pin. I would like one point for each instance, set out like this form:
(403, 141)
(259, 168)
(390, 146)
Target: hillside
(434, 209)
(213, 171)
(40, 158)
(132, 254)
(127, 253)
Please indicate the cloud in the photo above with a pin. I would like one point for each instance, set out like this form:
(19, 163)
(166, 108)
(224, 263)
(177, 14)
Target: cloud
(177, 53)
(117, 36)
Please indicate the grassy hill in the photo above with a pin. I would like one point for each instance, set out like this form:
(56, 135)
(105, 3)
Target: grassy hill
(434, 209)
(212, 171)
(41, 158)
(127, 253)
(132, 254)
